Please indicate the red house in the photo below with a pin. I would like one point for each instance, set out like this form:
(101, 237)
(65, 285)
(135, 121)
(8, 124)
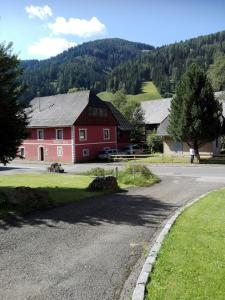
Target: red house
(71, 128)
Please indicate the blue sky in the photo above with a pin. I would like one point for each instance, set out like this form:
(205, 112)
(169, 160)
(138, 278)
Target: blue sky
(40, 29)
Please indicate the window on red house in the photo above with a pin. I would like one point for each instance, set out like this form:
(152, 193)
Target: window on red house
(22, 152)
(82, 134)
(59, 134)
(106, 134)
(86, 152)
(59, 151)
(40, 134)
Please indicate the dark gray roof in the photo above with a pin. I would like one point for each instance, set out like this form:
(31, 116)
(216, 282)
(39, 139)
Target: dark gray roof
(162, 129)
(58, 110)
(155, 111)
(122, 121)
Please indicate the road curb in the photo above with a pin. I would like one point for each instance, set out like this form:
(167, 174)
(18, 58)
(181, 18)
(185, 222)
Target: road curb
(139, 290)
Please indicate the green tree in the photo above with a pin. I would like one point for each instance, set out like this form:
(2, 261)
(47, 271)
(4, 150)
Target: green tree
(154, 142)
(216, 73)
(138, 130)
(119, 100)
(13, 120)
(195, 114)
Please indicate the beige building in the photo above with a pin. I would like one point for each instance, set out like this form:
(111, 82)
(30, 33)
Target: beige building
(156, 114)
(171, 147)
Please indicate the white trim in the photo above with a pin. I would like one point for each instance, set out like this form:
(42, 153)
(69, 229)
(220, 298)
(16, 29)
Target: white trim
(47, 144)
(56, 135)
(88, 152)
(38, 130)
(73, 143)
(61, 150)
(85, 129)
(96, 143)
(108, 130)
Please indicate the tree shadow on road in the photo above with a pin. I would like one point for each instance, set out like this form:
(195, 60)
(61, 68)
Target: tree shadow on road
(129, 208)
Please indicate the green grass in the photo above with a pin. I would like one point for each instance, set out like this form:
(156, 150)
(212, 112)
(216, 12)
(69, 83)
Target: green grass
(161, 158)
(132, 175)
(149, 92)
(137, 175)
(191, 263)
(62, 188)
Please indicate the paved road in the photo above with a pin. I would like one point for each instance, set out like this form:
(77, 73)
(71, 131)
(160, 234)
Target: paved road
(88, 250)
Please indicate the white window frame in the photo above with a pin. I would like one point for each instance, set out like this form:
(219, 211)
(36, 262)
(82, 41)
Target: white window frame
(86, 154)
(56, 134)
(85, 130)
(40, 130)
(106, 130)
(60, 151)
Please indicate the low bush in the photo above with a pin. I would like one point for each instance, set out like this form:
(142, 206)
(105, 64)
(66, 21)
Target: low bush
(138, 175)
(98, 172)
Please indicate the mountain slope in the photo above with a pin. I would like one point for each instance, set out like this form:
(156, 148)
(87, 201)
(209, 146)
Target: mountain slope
(165, 65)
(85, 66)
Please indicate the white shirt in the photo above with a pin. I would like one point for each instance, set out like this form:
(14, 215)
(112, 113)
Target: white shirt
(192, 151)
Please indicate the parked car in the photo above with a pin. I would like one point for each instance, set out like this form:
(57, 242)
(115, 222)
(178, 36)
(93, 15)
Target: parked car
(131, 149)
(103, 155)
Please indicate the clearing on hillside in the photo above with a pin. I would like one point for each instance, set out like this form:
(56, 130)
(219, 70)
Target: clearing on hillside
(149, 92)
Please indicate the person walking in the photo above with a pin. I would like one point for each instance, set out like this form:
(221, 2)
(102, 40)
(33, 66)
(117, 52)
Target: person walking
(192, 155)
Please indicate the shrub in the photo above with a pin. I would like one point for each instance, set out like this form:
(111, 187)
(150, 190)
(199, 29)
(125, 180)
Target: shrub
(98, 172)
(139, 169)
(154, 142)
(138, 175)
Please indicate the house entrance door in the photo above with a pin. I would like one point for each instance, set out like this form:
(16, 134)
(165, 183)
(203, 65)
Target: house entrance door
(41, 154)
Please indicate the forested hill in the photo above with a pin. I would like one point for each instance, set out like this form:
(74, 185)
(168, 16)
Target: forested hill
(113, 64)
(165, 65)
(86, 66)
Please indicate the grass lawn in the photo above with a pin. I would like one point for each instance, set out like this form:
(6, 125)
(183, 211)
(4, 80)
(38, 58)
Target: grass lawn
(149, 92)
(191, 263)
(161, 158)
(65, 188)
(62, 188)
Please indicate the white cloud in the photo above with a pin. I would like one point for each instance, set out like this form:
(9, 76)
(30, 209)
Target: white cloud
(78, 27)
(39, 12)
(47, 47)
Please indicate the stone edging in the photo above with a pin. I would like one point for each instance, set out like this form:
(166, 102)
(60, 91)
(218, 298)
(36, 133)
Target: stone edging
(139, 291)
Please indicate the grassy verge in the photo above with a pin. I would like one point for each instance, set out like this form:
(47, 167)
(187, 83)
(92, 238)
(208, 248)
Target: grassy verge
(191, 263)
(213, 160)
(161, 158)
(61, 188)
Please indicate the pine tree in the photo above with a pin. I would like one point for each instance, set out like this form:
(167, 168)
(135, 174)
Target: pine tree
(195, 114)
(13, 120)
(137, 122)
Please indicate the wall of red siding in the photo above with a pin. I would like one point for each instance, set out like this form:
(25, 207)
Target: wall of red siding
(49, 143)
(94, 142)
(123, 139)
(86, 119)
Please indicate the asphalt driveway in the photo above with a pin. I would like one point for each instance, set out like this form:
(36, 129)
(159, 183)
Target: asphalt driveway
(88, 250)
